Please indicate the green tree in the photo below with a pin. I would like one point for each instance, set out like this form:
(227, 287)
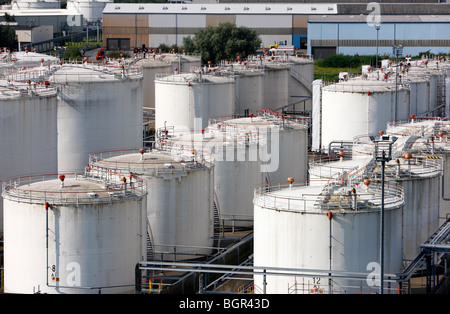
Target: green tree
(8, 37)
(188, 44)
(226, 41)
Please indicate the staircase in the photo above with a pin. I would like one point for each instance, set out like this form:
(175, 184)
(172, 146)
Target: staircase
(150, 244)
(302, 80)
(217, 228)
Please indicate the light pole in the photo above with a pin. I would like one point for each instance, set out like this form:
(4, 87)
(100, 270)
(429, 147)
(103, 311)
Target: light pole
(381, 145)
(377, 27)
(398, 51)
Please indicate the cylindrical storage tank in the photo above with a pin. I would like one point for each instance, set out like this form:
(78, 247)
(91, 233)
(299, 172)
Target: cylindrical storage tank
(324, 229)
(247, 152)
(180, 200)
(152, 66)
(420, 179)
(430, 138)
(358, 106)
(278, 156)
(419, 91)
(27, 130)
(73, 234)
(249, 86)
(237, 170)
(419, 175)
(436, 80)
(187, 101)
(99, 108)
(90, 9)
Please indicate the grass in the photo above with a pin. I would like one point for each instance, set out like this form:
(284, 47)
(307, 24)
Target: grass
(331, 74)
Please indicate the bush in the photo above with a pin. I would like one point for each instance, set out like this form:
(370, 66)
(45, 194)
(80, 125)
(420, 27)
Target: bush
(116, 54)
(72, 53)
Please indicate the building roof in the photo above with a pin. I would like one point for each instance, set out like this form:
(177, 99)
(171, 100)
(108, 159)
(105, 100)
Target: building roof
(39, 12)
(363, 18)
(221, 8)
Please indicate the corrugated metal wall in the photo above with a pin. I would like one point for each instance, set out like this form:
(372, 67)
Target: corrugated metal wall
(154, 29)
(361, 38)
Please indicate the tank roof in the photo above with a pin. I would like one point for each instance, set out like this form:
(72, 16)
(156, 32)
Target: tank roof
(185, 78)
(149, 161)
(73, 188)
(362, 85)
(324, 195)
(11, 89)
(87, 73)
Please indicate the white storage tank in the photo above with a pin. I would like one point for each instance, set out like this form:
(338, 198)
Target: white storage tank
(324, 228)
(237, 170)
(360, 106)
(154, 64)
(180, 200)
(436, 80)
(73, 234)
(279, 133)
(246, 152)
(91, 10)
(188, 100)
(99, 108)
(28, 137)
(418, 176)
(429, 138)
(249, 85)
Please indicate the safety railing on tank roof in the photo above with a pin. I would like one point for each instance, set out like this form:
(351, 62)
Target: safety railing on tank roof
(28, 88)
(424, 125)
(333, 165)
(268, 114)
(364, 198)
(181, 160)
(115, 187)
(28, 81)
(118, 71)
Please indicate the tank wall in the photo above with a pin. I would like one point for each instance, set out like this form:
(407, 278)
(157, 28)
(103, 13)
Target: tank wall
(179, 210)
(249, 93)
(288, 160)
(421, 213)
(89, 246)
(190, 107)
(306, 70)
(96, 117)
(27, 137)
(444, 206)
(345, 115)
(148, 83)
(234, 181)
(276, 88)
(419, 97)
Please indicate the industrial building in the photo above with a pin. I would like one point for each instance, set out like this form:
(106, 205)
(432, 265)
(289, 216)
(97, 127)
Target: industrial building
(353, 34)
(135, 25)
(319, 29)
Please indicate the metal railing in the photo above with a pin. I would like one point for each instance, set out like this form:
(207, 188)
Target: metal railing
(364, 198)
(111, 186)
(174, 160)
